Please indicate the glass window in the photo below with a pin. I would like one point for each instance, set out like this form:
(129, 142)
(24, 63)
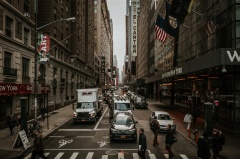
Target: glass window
(26, 6)
(7, 59)
(8, 26)
(85, 105)
(26, 36)
(25, 67)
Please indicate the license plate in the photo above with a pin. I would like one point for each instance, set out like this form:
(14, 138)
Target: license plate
(123, 137)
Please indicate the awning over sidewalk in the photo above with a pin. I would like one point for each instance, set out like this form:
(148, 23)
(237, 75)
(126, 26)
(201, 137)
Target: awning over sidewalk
(220, 57)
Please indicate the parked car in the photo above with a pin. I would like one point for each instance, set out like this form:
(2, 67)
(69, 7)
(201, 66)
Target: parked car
(140, 102)
(164, 119)
(123, 127)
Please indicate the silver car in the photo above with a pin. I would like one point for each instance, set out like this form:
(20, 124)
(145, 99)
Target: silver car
(164, 119)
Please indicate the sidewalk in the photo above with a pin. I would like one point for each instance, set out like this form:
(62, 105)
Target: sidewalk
(230, 149)
(56, 119)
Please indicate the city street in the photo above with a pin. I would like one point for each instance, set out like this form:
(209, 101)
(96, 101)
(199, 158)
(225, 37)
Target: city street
(91, 141)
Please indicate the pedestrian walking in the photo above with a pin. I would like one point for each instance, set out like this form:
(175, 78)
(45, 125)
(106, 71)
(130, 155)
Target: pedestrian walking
(38, 147)
(142, 146)
(203, 150)
(169, 140)
(155, 128)
(218, 142)
(42, 111)
(194, 117)
(188, 119)
(12, 122)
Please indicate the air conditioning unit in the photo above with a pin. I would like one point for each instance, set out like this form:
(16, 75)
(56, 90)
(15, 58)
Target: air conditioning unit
(26, 15)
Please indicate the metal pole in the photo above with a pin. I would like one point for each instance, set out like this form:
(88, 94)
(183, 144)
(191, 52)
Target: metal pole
(47, 111)
(35, 69)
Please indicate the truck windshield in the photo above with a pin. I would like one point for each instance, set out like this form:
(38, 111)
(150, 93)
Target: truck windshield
(86, 105)
(122, 106)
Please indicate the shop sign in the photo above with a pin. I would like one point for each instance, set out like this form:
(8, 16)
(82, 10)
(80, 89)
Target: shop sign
(172, 72)
(13, 89)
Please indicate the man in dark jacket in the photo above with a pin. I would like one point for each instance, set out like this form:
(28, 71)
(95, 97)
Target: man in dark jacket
(217, 144)
(203, 150)
(38, 148)
(11, 122)
(155, 129)
(142, 144)
(169, 140)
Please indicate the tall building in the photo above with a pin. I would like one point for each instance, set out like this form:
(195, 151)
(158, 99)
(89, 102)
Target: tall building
(70, 64)
(103, 41)
(200, 64)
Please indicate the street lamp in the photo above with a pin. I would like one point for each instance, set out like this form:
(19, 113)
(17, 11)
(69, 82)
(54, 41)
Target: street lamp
(36, 56)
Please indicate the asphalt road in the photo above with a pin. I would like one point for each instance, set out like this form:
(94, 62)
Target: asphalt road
(91, 141)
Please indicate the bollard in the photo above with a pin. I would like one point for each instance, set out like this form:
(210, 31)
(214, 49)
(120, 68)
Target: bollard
(195, 132)
(189, 133)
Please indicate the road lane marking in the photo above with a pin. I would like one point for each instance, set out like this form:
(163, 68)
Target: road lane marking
(152, 156)
(72, 137)
(100, 119)
(83, 129)
(183, 156)
(104, 156)
(59, 155)
(90, 155)
(74, 155)
(135, 156)
(120, 155)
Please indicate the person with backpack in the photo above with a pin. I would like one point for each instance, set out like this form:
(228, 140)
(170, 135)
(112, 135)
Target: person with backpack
(169, 140)
(155, 129)
(203, 150)
(218, 141)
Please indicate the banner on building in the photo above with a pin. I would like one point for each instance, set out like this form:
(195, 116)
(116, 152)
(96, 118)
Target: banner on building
(134, 28)
(43, 47)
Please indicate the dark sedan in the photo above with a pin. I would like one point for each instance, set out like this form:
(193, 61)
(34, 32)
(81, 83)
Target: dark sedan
(123, 127)
(140, 102)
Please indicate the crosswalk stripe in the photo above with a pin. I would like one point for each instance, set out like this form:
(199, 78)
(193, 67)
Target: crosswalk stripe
(46, 154)
(183, 156)
(104, 156)
(90, 155)
(152, 156)
(135, 156)
(120, 155)
(166, 155)
(74, 155)
(59, 155)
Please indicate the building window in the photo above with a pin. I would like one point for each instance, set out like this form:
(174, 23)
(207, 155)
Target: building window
(7, 59)
(25, 67)
(55, 33)
(8, 26)
(26, 36)
(55, 13)
(26, 6)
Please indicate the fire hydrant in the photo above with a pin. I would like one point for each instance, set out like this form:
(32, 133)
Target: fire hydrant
(195, 133)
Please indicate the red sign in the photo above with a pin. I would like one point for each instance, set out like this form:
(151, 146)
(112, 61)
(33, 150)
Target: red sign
(13, 89)
(216, 102)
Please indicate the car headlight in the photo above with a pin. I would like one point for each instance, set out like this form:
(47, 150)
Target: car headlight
(114, 131)
(132, 131)
(92, 115)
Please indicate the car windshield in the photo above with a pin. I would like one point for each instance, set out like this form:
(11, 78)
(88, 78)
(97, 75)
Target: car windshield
(85, 105)
(123, 120)
(139, 99)
(122, 106)
(164, 117)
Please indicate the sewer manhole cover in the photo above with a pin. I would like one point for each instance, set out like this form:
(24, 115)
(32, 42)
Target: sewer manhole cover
(111, 152)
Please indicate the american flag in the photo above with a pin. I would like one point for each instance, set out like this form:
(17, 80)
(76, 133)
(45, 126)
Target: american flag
(161, 35)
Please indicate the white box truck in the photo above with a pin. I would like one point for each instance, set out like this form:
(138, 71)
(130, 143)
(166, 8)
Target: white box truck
(89, 105)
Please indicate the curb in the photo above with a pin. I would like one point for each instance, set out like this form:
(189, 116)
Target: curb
(22, 154)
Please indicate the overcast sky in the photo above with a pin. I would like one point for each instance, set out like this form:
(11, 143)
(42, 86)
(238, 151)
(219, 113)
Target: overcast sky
(117, 9)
